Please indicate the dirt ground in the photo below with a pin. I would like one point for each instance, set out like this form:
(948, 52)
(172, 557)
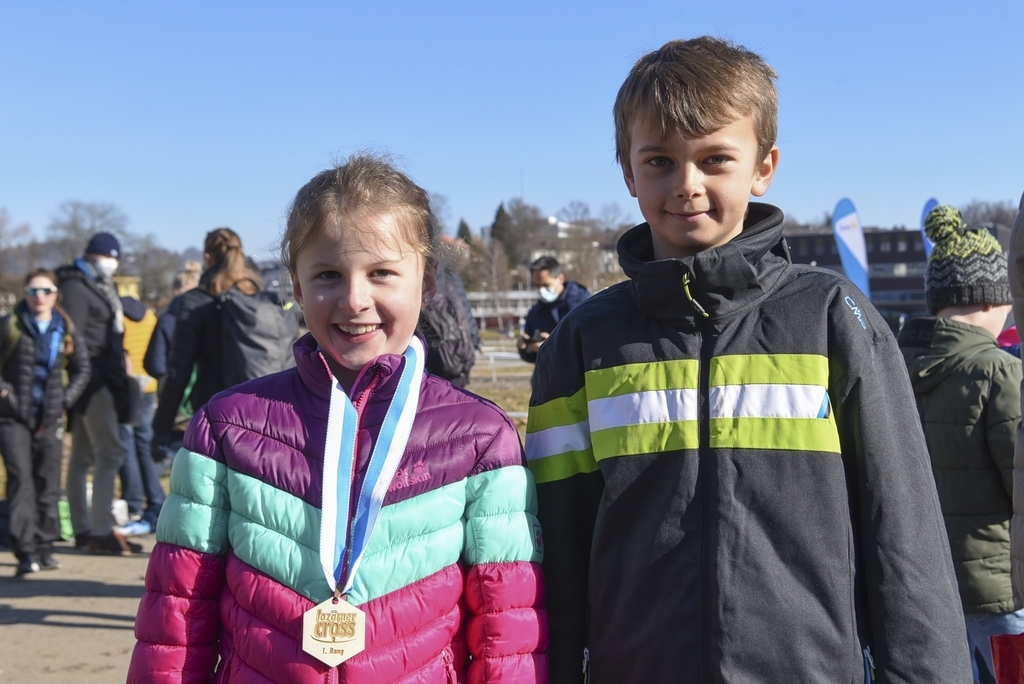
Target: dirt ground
(75, 624)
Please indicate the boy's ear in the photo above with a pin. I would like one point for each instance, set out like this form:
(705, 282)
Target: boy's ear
(765, 172)
(627, 175)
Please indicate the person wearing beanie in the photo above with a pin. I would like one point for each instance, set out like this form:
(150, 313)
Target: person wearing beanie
(90, 298)
(968, 395)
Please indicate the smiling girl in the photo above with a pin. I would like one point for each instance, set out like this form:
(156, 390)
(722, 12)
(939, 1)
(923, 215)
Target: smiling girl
(352, 519)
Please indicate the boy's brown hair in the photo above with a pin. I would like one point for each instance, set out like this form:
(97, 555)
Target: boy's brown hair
(695, 87)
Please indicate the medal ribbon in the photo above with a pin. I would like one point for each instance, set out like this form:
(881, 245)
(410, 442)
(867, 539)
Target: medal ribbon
(339, 461)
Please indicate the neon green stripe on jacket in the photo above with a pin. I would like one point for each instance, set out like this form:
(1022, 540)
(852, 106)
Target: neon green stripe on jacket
(558, 439)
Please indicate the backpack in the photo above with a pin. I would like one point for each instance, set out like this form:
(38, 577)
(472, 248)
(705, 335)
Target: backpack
(447, 327)
(257, 333)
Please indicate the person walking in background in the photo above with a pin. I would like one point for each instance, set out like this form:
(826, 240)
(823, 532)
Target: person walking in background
(1016, 277)
(731, 476)
(557, 298)
(140, 475)
(44, 368)
(196, 342)
(430, 573)
(158, 350)
(90, 298)
(157, 355)
(968, 396)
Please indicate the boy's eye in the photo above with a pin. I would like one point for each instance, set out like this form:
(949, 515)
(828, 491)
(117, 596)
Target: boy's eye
(659, 161)
(716, 160)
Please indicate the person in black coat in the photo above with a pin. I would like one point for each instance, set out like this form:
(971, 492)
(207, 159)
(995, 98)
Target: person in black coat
(90, 298)
(45, 368)
(558, 297)
(196, 342)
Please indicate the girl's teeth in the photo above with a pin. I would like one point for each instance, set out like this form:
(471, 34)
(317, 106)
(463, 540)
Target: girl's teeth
(358, 329)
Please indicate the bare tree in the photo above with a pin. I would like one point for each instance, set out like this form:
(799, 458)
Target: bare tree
(76, 222)
(154, 265)
(976, 212)
(12, 266)
(529, 231)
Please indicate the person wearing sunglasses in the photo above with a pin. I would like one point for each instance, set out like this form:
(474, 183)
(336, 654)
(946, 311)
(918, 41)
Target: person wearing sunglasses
(44, 367)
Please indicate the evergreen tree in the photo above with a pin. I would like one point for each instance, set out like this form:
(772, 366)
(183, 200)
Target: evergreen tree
(464, 233)
(501, 232)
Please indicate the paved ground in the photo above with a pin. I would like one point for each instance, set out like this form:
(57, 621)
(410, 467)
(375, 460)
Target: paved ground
(70, 625)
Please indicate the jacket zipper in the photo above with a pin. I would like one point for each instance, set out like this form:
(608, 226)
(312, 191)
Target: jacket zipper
(703, 468)
(586, 665)
(358, 404)
(693, 302)
(449, 666)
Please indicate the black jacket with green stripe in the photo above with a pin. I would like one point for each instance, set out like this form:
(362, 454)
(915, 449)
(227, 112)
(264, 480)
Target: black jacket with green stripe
(733, 482)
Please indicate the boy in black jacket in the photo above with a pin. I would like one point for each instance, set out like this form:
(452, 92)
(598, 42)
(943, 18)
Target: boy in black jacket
(731, 473)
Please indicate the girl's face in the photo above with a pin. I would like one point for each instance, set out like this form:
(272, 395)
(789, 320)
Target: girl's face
(361, 285)
(40, 296)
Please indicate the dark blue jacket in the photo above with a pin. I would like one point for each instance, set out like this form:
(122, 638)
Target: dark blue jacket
(159, 349)
(544, 316)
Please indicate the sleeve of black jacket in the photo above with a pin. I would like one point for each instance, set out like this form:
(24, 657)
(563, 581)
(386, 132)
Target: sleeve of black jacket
(569, 487)
(79, 369)
(185, 344)
(913, 623)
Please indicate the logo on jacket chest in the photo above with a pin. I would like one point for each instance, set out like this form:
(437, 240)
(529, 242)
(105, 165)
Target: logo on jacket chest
(407, 477)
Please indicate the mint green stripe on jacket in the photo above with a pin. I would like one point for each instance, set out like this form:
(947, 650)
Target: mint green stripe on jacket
(558, 439)
(277, 533)
(501, 517)
(195, 514)
(424, 532)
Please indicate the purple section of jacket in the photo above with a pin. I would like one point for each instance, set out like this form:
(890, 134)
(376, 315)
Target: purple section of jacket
(288, 412)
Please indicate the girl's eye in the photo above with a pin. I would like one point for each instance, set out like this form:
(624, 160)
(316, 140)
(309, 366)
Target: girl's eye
(380, 273)
(328, 275)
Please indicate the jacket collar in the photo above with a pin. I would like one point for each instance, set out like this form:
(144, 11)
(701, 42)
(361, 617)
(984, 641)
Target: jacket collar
(719, 281)
(316, 374)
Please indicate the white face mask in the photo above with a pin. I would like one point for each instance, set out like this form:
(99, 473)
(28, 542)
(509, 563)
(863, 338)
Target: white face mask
(547, 295)
(106, 265)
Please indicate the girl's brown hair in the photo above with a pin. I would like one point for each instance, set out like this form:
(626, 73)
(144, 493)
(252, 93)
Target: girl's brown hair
(365, 183)
(231, 268)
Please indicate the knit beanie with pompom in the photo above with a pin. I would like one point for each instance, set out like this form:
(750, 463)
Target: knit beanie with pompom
(967, 265)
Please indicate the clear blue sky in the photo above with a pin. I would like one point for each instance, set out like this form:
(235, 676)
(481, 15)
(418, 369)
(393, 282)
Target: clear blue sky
(191, 115)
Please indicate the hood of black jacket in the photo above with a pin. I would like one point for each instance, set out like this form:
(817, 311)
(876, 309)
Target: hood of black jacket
(721, 281)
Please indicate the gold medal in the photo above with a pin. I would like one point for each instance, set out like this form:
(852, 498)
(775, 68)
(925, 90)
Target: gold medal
(333, 631)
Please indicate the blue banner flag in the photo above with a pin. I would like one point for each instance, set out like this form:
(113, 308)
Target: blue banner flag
(853, 252)
(928, 244)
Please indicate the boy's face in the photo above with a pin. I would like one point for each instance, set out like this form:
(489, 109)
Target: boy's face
(694, 191)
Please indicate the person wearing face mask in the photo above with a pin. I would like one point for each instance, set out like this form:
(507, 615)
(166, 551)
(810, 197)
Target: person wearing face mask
(90, 298)
(557, 298)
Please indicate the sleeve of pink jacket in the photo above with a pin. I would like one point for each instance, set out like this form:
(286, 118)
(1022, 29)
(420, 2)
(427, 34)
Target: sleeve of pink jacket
(507, 628)
(178, 623)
